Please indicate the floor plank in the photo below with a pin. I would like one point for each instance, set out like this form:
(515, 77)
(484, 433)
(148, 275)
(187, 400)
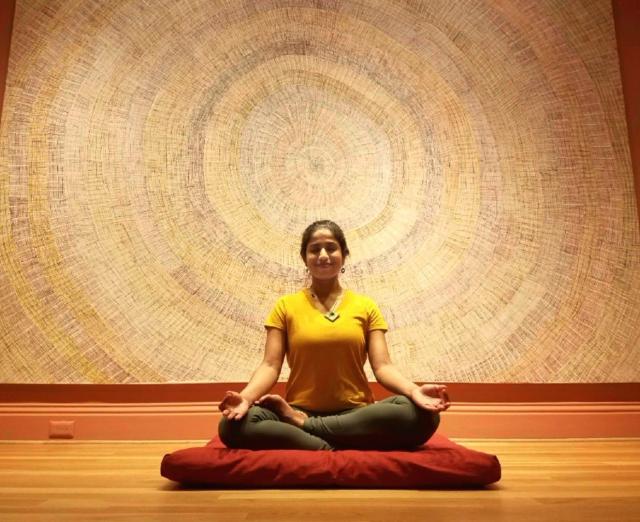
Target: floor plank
(551, 480)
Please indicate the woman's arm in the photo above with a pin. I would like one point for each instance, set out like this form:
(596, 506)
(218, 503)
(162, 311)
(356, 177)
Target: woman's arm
(234, 405)
(384, 370)
(428, 396)
(267, 373)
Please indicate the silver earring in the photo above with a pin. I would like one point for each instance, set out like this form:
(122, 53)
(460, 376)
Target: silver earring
(342, 270)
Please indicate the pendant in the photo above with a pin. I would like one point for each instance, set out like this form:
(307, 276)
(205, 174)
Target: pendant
(331, 316)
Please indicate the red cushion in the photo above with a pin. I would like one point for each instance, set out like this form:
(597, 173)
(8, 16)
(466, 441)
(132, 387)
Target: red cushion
(438, 463)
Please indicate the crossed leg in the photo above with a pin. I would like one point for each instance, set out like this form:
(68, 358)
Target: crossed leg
(261, 428)
(393, 423)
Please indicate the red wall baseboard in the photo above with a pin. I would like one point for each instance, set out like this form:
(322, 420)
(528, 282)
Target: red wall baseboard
(199, 421)
(189, 411)
(210, 392)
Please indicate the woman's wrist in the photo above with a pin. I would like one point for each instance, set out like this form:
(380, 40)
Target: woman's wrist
(412, 387)
(391, 378)
(248, 396)
(262, 381)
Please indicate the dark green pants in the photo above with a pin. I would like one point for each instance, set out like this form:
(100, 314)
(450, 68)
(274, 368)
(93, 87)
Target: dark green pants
(393, 423)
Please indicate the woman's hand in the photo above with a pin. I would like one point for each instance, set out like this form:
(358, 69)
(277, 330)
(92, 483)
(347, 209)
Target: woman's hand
(432, 397)
(234, 406)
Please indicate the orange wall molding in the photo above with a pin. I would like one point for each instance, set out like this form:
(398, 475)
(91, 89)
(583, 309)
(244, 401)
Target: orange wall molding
(211, 392)
(195, 421)
(189, 411)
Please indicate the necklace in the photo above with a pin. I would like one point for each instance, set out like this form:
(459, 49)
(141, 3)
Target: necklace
(331, 315)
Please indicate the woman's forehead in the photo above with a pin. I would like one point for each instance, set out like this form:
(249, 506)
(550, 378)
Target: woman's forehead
(322, 234)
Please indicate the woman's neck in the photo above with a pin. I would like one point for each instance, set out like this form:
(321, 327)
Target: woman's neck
(323, 288)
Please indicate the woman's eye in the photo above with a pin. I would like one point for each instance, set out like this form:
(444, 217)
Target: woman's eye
(329, 249)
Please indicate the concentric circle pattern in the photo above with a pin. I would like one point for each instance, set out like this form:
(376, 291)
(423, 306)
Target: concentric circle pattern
(161, 159)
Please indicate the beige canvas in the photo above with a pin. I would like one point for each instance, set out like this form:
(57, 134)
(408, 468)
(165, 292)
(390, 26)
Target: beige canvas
(159, 161)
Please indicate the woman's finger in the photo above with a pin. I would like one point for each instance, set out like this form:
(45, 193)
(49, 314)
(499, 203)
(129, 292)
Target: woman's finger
(237, 415)
(426, 406)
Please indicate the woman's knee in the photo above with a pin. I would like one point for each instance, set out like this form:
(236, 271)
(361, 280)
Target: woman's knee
(234, 433)
(230, 432)
(415, 420)
(430, 420)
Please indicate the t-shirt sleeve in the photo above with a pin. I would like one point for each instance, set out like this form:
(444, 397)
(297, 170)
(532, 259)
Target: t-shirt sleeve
(277, 318)
(376, 320)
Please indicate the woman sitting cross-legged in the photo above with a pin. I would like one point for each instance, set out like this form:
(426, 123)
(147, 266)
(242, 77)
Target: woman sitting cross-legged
(327, 332)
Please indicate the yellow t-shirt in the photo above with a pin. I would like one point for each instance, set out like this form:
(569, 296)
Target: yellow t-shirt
(326, 358)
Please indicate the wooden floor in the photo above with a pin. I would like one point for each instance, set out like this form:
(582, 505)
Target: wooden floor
(543, 480)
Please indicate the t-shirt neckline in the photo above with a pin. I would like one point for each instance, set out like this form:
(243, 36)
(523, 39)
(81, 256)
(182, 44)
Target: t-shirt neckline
(307, 293)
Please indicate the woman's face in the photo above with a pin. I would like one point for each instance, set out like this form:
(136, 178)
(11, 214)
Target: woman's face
(324, 257)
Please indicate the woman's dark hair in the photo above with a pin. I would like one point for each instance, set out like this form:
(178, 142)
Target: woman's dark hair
(329, 225)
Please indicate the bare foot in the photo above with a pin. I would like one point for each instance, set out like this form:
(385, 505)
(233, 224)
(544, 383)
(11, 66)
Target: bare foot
(281, 408)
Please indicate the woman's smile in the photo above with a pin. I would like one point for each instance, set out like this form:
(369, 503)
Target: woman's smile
(323, 255)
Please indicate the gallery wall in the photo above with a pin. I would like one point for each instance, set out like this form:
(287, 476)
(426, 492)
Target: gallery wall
(157, 167)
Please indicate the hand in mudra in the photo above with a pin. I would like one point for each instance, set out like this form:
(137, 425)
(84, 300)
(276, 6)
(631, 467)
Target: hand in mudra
(432, 397)
(234, 406)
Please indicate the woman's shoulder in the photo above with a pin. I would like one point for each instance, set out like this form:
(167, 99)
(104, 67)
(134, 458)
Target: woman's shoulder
(283, 307)
(368, 306)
